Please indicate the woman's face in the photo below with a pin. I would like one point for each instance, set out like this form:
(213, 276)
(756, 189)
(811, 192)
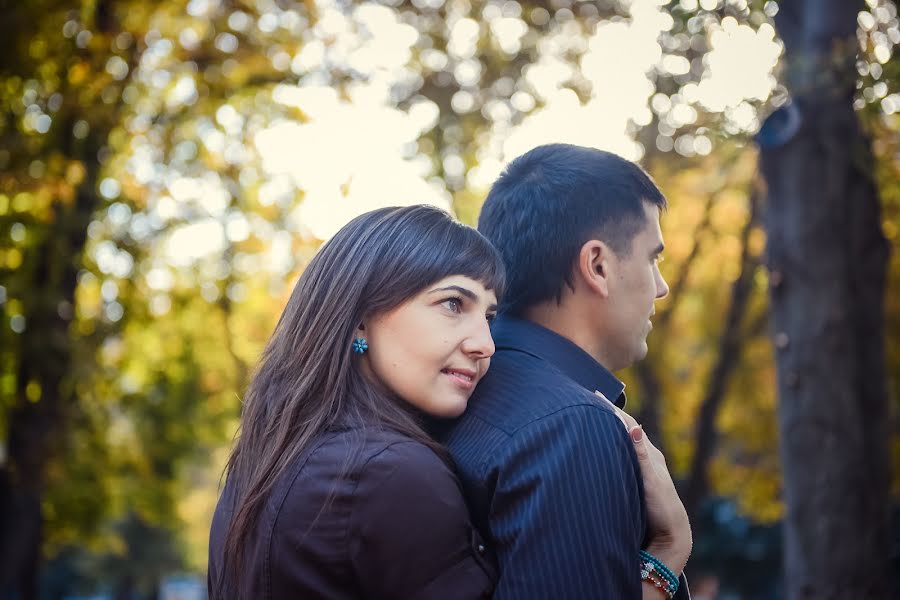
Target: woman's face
(434, 348)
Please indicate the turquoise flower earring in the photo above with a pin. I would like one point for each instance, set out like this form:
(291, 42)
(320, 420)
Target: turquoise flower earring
(360, 346)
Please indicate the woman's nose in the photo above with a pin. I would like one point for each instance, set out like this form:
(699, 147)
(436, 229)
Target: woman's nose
(479, 342)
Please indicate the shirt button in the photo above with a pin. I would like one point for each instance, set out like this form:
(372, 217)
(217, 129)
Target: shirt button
(480, 548)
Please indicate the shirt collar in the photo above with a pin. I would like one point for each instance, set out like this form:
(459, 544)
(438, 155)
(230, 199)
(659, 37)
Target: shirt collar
(512, 333)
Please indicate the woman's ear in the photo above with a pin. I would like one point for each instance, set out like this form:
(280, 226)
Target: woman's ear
(594, 262)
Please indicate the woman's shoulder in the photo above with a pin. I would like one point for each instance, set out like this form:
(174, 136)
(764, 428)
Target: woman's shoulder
(379, 465)
(347, 468)
(360, 473)
(353, 456)
(377, 450)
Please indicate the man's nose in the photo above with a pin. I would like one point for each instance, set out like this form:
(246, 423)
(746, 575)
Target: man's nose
(662, 288)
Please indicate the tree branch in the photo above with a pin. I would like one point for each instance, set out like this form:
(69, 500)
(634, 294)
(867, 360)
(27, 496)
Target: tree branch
(730, 346)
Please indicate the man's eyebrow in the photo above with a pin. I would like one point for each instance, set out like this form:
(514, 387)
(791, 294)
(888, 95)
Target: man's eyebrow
(465, 292)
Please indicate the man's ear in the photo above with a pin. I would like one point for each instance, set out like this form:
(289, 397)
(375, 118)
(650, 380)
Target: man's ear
(593, 266)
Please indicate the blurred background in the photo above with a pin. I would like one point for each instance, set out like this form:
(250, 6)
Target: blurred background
(168, 167)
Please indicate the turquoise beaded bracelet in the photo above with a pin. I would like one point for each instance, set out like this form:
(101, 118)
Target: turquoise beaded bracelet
(667, 581)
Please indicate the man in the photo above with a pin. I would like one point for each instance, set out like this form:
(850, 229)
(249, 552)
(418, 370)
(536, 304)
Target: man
(550, 473)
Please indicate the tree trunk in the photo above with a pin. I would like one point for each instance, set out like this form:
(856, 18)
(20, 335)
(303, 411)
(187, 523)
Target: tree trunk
(36, 426)
(44, 394)
(827, 258)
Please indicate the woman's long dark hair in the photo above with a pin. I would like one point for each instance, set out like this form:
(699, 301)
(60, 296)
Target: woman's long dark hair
(308, 380)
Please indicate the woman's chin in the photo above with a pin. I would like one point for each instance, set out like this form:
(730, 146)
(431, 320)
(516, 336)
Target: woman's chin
(450, 409)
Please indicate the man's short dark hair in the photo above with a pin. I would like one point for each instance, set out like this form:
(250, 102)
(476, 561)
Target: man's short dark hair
(551, 200)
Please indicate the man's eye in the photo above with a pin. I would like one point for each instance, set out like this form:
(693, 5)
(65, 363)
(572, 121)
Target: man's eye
(490, 317)
(452, 304)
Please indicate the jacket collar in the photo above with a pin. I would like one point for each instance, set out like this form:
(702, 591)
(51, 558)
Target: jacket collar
(511, 333)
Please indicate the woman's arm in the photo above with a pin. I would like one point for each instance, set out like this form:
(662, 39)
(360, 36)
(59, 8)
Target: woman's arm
(671, 538)
(410, 535)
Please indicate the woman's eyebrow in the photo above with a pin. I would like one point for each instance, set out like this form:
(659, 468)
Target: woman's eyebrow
(465, 292)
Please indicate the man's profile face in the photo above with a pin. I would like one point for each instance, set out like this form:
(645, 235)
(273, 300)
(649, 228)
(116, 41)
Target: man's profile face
(635, 285)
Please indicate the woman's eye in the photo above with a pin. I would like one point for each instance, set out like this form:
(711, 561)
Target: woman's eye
(490, 317)
(453, 304)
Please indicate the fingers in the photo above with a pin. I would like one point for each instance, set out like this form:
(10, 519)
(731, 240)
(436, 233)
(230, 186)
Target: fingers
(651, 459)
(640, 446)
(637, 434)
(645, 448)
(657, 453)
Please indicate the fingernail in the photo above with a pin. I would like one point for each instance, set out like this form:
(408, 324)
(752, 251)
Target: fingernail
(637, 434)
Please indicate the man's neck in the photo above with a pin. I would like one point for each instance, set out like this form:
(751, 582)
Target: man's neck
(567, 323)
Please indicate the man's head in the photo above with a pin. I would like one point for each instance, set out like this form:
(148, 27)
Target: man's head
(578, 229)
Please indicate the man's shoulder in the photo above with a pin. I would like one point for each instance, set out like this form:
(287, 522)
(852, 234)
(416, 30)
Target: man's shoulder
(521, 401)
(521, 389)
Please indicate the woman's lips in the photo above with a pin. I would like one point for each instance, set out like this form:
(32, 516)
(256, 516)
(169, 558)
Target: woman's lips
(464, 378)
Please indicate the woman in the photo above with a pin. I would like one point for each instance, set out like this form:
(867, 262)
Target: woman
(333, 488)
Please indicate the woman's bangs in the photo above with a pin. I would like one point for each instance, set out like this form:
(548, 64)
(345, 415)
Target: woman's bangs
(466, 252)
(422, 245)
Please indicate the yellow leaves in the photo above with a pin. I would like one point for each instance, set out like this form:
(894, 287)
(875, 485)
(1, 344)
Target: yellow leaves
(37, 49)
(757, 241)
(890, 230)
(8, 385)
(33, 391)
(85, 327)
(12, 86)
(75, 173)
(729, 209)
(760, 498)
(684, 352)
(196, 509)
(88, 301)
(114, 544)
(48, 510)
(22, 202)
(119, 137)
(211, 382)
(11, 258)
(728, 250)
(467, 206)
(36, 202)
(78, 73)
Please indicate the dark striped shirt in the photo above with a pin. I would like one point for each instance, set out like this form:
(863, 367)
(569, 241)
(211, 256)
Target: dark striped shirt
(549, 472)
